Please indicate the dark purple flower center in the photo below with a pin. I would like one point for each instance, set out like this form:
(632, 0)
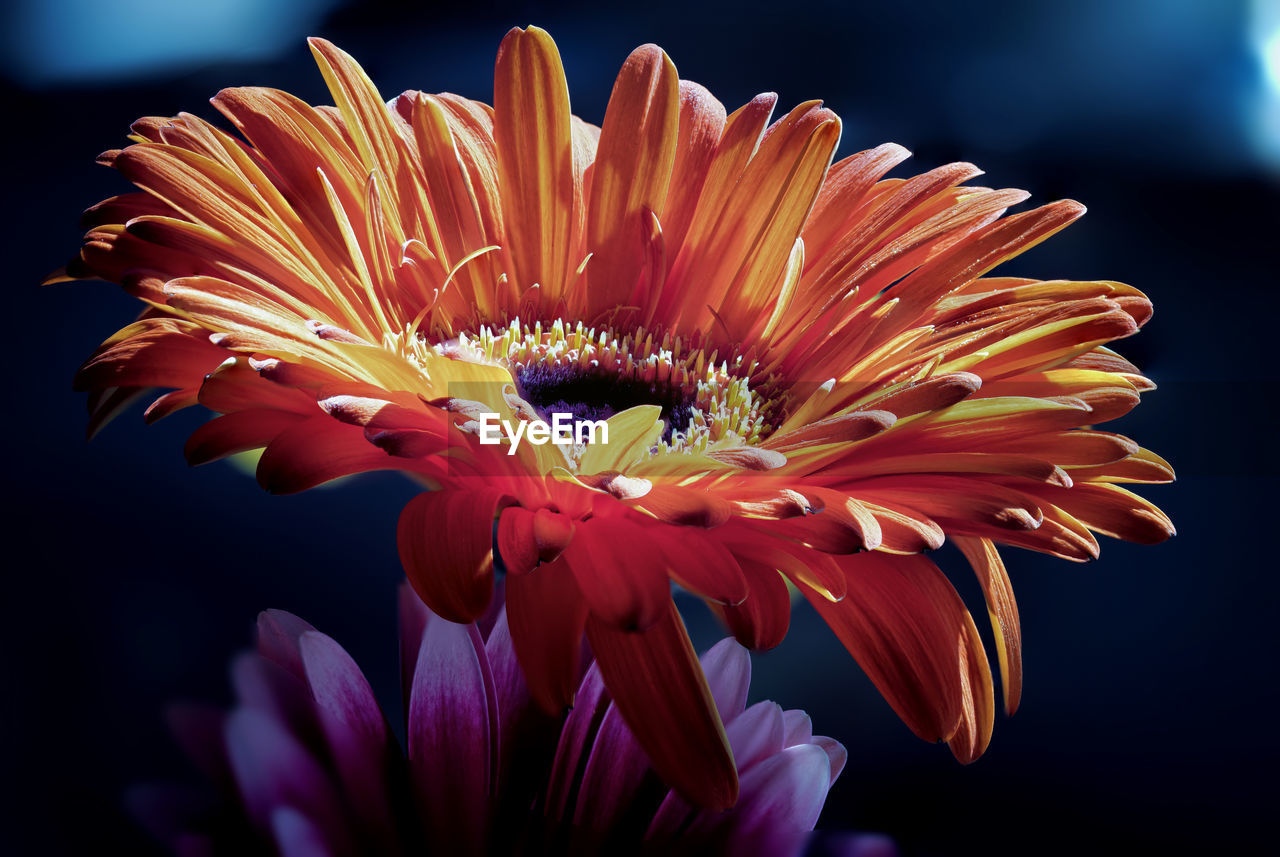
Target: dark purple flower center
(590, 394)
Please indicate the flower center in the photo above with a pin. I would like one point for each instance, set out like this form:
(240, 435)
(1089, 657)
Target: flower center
(596, 373)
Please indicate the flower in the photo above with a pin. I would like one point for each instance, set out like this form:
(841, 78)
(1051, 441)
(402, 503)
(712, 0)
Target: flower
(807, 375)
(306, 763)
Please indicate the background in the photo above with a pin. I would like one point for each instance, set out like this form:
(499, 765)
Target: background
(1148, 720)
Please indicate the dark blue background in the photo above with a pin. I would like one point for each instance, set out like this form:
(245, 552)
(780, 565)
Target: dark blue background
(1149, 717)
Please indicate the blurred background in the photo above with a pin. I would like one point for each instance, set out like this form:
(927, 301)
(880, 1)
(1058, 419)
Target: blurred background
(1148, 722)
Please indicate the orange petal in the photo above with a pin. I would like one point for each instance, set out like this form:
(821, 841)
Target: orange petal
(933, 394)
(1142, 466)
(536, 171)
(909, 631)
(236, 386)
(368, 121)
(947, 498)
(842, 429)
(737, 143)
(631, 172)
(459, 166)
(976, 255)
(904, 530)
(151, 353)
(702, 120)
(978, 709)
(1111, 510)
(1003, 612)
(847, 182)
(761, 220)
(691, 506)
(1072, 448)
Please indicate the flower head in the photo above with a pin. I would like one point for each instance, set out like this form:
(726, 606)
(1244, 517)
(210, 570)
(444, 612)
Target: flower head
(306, 763)
(806, 374)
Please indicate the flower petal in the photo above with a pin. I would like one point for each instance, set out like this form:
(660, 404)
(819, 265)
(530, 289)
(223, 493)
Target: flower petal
(627, 588)
(452, 737)
(630, 175)
(1003, 611)
(356, 732)
(296, 836)
(273, 769)
(315, 451)
(546, 613)
(905, 626)
(761, 621)
(657, 683)
(446, 546)
(727, 667)
(539, 182)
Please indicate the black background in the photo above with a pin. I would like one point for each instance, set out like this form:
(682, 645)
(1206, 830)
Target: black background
(1149, 716)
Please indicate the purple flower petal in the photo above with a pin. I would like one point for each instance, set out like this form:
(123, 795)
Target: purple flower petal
(452, 736)
(572, 751)
(780, 801)
(514, 699)
(836, 754)
(756, 734)
(797, 728)
(355, 730)
(267, 687)
(278, 633)
(613, 775)
(296, 836)
(727, 665)
(414, 618)
(527, 734)
(670, 818)
(272, 769)
(339, 688)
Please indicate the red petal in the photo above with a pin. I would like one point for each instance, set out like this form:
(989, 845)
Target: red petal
(621, 570)
(546, 614)
(702, 564)
(761, 621)
(657, 683)
(527, 538)
(315, 451)
(446, 546)
(237, 432)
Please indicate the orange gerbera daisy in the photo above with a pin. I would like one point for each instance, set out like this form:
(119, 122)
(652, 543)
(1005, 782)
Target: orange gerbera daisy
(806, 375)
